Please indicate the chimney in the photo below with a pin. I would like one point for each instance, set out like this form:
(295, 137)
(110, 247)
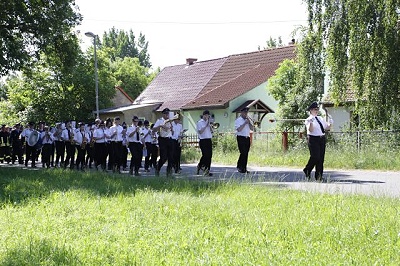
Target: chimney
(190, 61)
(293, 41)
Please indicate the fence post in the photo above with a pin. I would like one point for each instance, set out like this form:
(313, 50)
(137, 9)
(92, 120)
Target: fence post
(285, 140)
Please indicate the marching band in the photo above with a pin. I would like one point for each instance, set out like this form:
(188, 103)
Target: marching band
(78, 146)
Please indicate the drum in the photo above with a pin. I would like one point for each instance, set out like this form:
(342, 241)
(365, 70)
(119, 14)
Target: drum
(33, 138)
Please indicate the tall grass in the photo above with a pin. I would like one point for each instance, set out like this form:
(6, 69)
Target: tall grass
(68, 218)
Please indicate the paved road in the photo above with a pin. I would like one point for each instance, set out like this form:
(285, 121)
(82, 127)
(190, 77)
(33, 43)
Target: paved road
(375, 183)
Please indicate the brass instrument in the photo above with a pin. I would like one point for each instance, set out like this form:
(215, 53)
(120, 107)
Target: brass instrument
(92, 142)
(252, 122)
(215, 125)
(181, 136)
(71, 138)
(84, 142)
(175, 117)
(286, 120)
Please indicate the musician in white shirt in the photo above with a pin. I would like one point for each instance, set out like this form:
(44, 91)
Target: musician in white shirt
(99, 135)
(81, 139)
(316, 127)
(68, 135)
(135, 146)
(165, 142)
(204, 132)
(115, 134)
(60, 145)
(243, 126)
(147, 139)
(47, 142)
(30, 151)
(177, 130)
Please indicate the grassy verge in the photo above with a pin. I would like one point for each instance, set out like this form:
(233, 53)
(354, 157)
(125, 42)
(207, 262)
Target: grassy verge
(70, 218)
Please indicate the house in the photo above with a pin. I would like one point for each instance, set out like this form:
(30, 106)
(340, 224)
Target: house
(223, 86)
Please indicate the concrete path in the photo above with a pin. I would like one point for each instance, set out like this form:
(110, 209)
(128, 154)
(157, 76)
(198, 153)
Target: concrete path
(374, 183)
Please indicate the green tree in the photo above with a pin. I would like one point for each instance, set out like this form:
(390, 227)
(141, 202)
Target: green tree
(29, 27)
(123, 44)
(357, 42)
(292, 99)
(131, 76)
(49, 94)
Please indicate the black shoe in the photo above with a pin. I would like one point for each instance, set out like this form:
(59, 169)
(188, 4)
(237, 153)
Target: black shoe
(137, 173)
(308, 174)
(198, 170)
(131, 171)
(157, 173)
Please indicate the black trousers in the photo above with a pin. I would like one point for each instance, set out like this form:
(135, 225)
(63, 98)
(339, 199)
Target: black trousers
(316, 145)
(30, 154)
(46, 154)
(100, 155)
(147, 162)
(80, 158)
(166, 153)
(89, 155)
(17, 153)
(153, 155)
(70, 150)
(136, 149)
(177, 155)
(206, 154)
(244, 148)
(116, 154)
(60, 151)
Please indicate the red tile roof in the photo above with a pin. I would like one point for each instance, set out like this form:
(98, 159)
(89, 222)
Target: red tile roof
(177, 85)
(239, 74)
(214, 83)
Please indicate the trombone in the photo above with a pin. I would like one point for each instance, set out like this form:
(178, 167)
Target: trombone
(272, 120)
(175, 117)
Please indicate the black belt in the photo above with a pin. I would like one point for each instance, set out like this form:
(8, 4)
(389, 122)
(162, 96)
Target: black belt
(116, 141)
(165, 137)
(320, 137)
(243, 137)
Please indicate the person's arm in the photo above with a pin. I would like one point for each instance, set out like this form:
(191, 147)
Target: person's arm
(239, 127)
(309, 123)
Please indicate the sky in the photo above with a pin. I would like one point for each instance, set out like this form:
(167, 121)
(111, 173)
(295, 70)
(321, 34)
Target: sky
(206, 29)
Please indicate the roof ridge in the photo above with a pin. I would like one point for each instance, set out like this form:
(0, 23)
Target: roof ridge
(264, 50)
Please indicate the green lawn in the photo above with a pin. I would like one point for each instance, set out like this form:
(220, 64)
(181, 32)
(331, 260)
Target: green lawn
(60, 217)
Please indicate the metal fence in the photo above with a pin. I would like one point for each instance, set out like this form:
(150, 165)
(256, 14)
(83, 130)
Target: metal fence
(385, 139)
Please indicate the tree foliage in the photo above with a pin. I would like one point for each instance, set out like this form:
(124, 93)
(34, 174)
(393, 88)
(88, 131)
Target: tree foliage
(29, 27)
(121, 44)
(357, 42)
(131, 76)
(284, 87)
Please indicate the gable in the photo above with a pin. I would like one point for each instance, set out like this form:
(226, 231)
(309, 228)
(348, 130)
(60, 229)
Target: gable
(121, 98)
